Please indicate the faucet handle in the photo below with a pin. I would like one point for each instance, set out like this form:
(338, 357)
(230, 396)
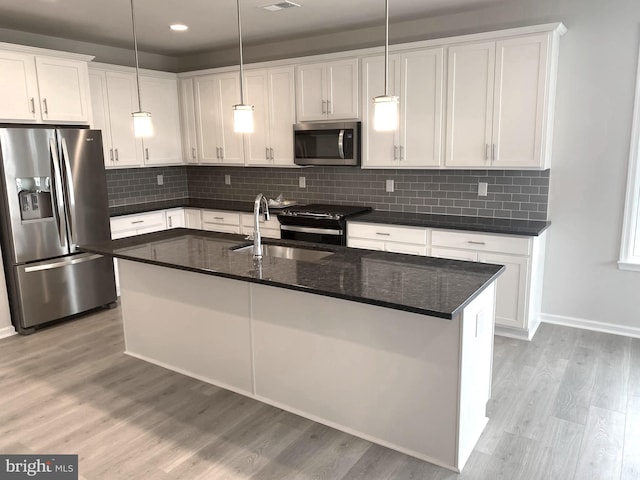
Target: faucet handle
(267, 216)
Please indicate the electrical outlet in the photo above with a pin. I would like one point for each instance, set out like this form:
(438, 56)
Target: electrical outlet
(482, 189)
(160, 180)
(227, 179)
(390, 186)
(302, 182)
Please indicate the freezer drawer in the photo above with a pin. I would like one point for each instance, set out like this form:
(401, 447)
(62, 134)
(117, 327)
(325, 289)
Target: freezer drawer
(63, 286)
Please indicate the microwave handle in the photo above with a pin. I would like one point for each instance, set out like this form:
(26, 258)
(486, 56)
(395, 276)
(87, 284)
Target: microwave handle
(341, 144)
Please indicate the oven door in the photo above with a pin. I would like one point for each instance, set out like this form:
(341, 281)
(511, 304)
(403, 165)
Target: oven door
(331, 236)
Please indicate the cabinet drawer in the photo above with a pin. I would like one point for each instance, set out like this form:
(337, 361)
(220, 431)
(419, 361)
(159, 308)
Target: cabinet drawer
(220, 227)
(387, 233)
(137, 222)
(272, 223)
(481, 242)
(221, 218)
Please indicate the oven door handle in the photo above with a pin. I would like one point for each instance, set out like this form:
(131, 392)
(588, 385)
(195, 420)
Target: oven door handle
(319, 231)
(341, 144)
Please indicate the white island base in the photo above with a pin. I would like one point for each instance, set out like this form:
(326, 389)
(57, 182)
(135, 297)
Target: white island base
(410, 382)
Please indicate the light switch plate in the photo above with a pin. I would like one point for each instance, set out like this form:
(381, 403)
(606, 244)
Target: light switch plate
(390, 186)
(160, 180)
(302, 182)
(227, 179)
(482, 189)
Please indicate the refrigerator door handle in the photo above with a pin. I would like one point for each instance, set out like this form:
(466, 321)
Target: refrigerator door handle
(66, 263)
(58, 210)
(72, 195)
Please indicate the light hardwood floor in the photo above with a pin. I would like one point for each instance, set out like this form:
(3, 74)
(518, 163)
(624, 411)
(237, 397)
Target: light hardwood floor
(565, 406)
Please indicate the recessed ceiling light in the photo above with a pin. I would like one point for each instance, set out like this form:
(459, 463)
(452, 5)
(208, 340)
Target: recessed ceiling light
(178, 27)
(280, 6)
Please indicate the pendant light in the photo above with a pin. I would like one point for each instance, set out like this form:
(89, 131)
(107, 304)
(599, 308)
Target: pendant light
(385, 107)
(242, 113)
(142, 126)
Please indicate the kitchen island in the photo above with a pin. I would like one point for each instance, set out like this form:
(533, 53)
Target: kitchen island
(396, 349)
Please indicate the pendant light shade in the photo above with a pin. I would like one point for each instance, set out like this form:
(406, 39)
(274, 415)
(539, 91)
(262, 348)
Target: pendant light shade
(142, 125)
(385, 107)
(242, 113)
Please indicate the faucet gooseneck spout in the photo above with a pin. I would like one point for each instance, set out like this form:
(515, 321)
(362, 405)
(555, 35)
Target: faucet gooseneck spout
(257, 241)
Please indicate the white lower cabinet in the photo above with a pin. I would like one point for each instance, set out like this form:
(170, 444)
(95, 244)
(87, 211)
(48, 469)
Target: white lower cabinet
(388, 238)
(175, 218)
(193, 218)
(268, 228)
(220, 221)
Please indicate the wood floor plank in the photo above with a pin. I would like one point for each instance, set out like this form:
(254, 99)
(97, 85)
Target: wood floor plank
(602, 446)
(631, 455)
(611, 380)
(634, 368)
(576, 389)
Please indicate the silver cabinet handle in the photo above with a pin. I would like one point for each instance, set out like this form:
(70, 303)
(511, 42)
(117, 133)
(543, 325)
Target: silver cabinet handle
(137, 221)
(476, 243)
(170, 223)
(146, 154)
(329, 109)
(395, 152)
(493, 151)
(385, 234)
(486, 152)
(46, 108)
(33, 105)
(218, 218)
(266, 153)
(218, 153)
(193, 153)
(401, 153)
(324, 106)
(117, 159)
(221, 153)
(271, 151)
(111, 154)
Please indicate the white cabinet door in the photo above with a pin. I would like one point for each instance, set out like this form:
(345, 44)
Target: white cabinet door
(379, 149)
(511, 288)
(310, 91)
(520, 83)
(18, 88)
(188, 120)
(421, 103)
(282, 114)
(365, 244)
(256, 94)
(160, 98)
(64, 90)
(342, 89)
(215, 97)
(405, 248)
(470, 104)
(193, 218)
(100, 112)
(175, 218)
(123, 101)
(454, 254)
(327, 90)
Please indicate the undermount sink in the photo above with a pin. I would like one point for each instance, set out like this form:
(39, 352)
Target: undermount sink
(292, 253)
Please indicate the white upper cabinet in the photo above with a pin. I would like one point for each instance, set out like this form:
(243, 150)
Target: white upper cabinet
(114, 98)
(160, 98)
(327, 91)
(43, 89)
(188, 120)
(271, 92)
(417, 79)
(499, 104)
(215, 96)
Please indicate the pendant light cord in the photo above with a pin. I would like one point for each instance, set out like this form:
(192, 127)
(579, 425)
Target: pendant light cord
(135, 47)
(386, 50)
(241, 61)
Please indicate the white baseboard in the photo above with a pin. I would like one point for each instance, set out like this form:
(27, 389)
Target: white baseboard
(7, 331)
(591, 325)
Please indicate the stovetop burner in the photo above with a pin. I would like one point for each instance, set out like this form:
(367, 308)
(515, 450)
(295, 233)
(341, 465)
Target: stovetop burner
(321, 211)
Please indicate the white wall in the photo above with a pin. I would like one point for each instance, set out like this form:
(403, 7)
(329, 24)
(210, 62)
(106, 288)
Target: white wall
(598, 60)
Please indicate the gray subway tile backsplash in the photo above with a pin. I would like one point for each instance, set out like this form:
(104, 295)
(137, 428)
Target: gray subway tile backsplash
(518, 194)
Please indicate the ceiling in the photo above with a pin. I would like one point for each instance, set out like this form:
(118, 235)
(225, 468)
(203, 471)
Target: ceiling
(212, 23)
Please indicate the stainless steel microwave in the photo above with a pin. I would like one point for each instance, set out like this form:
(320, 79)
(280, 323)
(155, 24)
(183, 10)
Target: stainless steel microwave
(327, 143)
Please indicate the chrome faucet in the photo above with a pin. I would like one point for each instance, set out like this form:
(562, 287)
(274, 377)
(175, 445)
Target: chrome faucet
(257, 241)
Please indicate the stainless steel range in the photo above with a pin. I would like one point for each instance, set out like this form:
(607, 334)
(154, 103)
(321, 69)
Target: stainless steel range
(318, 223)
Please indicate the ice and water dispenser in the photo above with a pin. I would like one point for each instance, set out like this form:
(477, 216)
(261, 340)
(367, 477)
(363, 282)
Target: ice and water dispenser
(34, 195)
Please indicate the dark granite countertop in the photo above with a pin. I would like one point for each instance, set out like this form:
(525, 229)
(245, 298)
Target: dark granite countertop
(479, 224)
(454, 222)
(424, 285)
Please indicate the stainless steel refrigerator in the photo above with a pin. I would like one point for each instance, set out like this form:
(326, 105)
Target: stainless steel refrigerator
(53, 199)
